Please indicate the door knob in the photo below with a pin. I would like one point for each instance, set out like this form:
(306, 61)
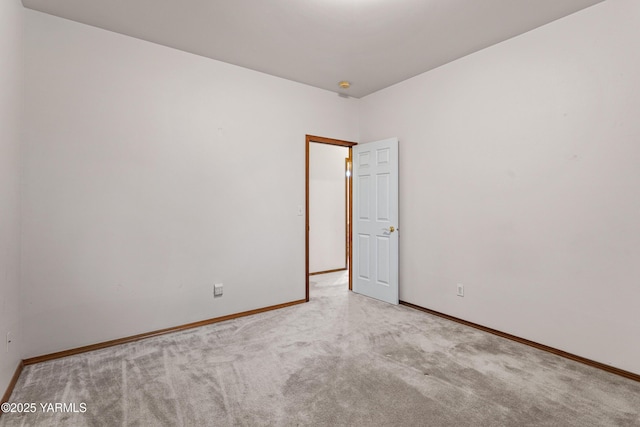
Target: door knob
(392, 229)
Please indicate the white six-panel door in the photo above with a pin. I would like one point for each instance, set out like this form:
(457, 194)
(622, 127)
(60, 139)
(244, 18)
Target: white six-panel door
(375, 220)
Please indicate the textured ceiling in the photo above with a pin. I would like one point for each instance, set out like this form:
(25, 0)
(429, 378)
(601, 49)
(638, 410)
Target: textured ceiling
(371, 43)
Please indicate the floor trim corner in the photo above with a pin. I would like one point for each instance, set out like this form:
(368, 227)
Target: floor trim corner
(12, 384)
(132, 338)
(548, 349)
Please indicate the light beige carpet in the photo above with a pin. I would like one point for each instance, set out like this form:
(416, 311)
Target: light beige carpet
(340, 360)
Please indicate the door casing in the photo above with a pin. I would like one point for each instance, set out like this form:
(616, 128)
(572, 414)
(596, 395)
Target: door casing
(322, 140)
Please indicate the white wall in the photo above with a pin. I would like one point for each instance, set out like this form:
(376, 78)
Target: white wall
(11, 68)
(520, 170)
(327, 209)
(151, 174)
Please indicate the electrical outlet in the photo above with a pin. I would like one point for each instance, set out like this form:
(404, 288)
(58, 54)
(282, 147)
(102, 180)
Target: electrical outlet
(9, 339)
(460, 290)
(217, 290)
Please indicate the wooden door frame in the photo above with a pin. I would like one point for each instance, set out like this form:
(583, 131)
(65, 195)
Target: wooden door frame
(322, 140)
(348, 192)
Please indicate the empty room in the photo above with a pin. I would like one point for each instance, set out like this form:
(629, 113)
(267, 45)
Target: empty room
(320, 212)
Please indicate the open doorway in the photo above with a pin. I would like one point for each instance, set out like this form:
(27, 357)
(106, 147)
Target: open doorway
(328, 203)
(328, 206)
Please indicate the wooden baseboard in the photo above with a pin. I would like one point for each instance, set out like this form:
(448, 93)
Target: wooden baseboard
(105, 344)
(12, 384)
(580, 359)
(328, 271)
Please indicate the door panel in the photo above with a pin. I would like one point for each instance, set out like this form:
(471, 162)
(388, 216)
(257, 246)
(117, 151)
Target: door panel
(384, 252)
(382, 197)
(363, 258)
(375, 227)
(363, 197)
